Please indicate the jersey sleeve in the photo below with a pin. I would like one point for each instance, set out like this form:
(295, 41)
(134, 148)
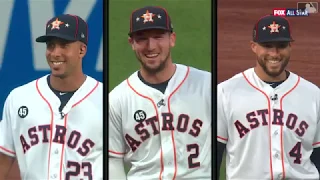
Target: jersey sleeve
(6, 134)
(116, 140)
(222, 129)
(316, 141)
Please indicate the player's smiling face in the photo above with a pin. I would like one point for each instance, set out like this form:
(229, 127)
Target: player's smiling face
(152, 48)
(272, 57)
(64, 57)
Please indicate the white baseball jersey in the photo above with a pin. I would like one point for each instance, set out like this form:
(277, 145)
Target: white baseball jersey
(163, 136)
(49, 144)
(269, 132)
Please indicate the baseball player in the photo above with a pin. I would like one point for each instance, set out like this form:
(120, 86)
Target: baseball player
(160, 117)
(310, 9)
(268, 117)
(53, 125)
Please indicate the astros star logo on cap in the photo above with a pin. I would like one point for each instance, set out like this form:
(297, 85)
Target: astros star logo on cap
(148, 17)
(56, 24)
(274, 27)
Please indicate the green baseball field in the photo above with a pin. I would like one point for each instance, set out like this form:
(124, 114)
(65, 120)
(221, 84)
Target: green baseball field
(191, 22)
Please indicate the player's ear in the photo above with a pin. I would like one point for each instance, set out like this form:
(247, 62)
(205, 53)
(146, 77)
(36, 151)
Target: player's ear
(253, 46)
(83, 50)
(172, 39)
(130, 41)
(290, 46)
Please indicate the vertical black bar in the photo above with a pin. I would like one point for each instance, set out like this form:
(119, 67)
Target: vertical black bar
(214, 87)
(105, 87)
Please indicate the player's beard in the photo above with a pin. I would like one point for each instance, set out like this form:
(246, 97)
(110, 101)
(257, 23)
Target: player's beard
(263, 63)
(153, 70)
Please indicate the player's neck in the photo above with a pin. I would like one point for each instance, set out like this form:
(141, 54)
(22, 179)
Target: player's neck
(265, 77)
(159, 77)
(68, 84)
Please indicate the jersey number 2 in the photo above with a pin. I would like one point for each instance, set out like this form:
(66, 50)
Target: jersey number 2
(195, 154)
(84, 167)
(296, 153)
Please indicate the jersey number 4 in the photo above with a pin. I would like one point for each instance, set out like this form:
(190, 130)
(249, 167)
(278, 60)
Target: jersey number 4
(296, 153)
(84, 167)
(195, 149)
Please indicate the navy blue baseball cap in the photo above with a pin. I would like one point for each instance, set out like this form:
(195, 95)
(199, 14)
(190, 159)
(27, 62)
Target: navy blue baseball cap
(271, 28)
(150, 17)
(66, 26)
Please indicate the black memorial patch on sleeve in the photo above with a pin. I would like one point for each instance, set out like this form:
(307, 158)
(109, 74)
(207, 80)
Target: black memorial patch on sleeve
(140, 116)
(23, 111)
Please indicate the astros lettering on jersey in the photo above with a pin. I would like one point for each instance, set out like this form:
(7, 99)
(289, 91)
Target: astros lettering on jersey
(49, 144)
(163, 136)
(269, 132)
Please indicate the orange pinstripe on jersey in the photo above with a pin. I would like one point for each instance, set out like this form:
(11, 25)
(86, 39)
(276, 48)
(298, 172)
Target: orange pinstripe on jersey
(269, 124)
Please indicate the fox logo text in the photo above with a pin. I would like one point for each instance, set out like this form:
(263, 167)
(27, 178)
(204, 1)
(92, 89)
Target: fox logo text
(279, 12)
